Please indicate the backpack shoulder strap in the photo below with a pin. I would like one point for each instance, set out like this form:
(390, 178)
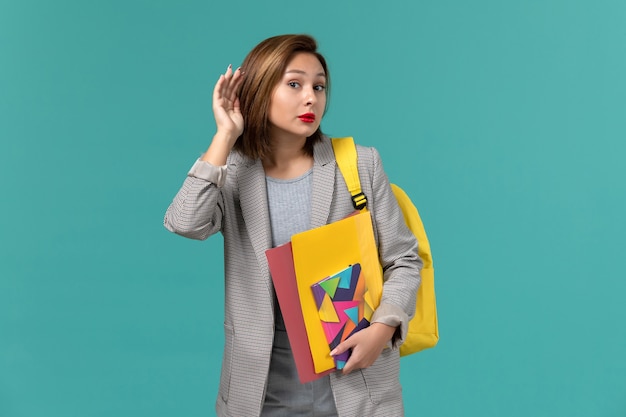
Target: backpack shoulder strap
(345, 154)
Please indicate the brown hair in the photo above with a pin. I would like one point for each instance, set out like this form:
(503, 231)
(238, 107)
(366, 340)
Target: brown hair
(263, 68)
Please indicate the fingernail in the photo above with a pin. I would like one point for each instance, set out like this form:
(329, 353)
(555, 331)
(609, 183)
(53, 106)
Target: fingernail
(333, 352)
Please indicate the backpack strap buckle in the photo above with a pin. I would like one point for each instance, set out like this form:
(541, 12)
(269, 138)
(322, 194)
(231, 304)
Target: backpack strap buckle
(359, 201)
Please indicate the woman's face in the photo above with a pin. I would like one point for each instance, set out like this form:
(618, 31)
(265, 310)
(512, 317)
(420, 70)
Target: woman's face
(299, 99)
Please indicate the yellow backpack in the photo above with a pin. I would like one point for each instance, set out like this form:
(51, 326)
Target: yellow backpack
(423, 330)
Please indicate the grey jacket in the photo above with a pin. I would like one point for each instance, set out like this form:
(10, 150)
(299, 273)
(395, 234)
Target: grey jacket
(233, 201)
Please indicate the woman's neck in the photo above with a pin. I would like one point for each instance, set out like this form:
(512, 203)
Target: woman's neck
(288, 160)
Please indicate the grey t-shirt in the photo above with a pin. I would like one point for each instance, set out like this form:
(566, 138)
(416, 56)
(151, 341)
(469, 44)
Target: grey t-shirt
(289, 205)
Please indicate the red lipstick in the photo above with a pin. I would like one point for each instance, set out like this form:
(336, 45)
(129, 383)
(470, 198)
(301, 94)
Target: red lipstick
(307, 117)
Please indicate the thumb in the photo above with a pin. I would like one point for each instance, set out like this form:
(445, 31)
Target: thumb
(342, 347)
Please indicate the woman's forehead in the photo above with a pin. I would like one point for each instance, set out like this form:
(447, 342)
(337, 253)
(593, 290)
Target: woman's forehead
(305, 63)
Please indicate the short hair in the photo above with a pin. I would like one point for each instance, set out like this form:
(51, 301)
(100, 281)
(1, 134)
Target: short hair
(263, 68)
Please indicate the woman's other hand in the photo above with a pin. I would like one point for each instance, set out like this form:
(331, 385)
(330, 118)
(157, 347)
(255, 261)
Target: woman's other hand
(366, 346)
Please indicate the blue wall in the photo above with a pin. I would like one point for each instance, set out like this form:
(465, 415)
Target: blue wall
(506, 121)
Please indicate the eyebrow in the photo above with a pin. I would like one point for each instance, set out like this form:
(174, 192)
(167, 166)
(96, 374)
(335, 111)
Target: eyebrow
(297, 71)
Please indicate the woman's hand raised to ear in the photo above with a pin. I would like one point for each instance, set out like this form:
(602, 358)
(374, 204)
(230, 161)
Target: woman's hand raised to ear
(226, 103)
(228, 117)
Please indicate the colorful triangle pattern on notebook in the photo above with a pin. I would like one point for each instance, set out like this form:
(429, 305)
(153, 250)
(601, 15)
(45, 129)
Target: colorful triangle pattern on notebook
(344, 307)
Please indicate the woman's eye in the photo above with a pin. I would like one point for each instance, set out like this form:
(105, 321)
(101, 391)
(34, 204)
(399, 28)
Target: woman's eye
(294, 84)
(320, 87)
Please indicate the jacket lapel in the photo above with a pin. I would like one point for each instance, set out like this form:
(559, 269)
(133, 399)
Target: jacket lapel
(323, 183)
(255, 211)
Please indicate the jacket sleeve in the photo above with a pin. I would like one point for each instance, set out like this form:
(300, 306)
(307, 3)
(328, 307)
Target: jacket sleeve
(397, 248)
(197, 209)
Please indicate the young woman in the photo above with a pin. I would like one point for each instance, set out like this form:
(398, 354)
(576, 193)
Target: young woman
(269, 173)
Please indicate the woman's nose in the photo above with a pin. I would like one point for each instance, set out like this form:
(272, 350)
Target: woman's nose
(310, 97)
